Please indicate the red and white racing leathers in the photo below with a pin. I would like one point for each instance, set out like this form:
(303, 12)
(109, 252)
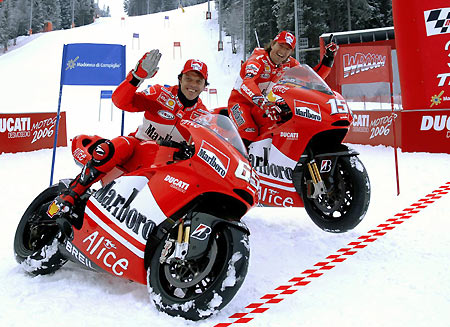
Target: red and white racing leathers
(163, 111)
(256, 77)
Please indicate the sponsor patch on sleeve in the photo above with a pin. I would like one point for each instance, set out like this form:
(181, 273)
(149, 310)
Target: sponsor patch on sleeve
(252, 68)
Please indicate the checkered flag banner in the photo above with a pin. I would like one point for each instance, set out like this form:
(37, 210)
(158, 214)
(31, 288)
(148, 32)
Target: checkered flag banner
(437, 21)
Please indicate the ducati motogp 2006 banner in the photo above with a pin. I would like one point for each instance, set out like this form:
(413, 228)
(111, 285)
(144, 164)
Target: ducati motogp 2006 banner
(422, 36)
(30, 131)
(374, 127)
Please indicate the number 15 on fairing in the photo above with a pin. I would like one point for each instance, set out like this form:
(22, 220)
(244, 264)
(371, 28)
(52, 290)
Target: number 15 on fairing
(338, 106)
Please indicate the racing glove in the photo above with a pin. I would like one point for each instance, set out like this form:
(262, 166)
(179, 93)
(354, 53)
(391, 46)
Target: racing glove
(270, 109)
(147, 66)
(330, 52)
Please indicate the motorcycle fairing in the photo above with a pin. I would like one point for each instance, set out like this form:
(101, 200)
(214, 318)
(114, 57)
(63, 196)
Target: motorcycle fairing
(125, 211)
(276, 188)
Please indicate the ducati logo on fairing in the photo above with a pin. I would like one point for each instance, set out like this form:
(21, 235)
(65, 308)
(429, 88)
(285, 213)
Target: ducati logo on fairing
(214, 158)
(176, 183)
(201, 232)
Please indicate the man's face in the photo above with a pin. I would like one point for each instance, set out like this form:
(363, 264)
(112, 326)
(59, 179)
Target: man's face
(279, 53)
(192, 84)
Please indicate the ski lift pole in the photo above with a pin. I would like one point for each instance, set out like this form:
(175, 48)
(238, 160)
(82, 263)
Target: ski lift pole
(257, 39)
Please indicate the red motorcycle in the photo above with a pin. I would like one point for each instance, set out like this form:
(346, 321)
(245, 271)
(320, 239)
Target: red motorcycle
(168, 218)
(301, 160)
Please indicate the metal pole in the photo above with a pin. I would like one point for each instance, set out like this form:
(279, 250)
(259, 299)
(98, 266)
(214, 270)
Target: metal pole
(31, 16)
(296, 30)
(349, 17)
(257, 39)
(148, 7)
(73, 14)
(243, 30)
(209, 8)
(220, 20)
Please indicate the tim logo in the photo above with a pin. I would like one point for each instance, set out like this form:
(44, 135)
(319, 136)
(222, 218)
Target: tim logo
(307, 110)
(361, 62)
(437, 21)
(214, 158)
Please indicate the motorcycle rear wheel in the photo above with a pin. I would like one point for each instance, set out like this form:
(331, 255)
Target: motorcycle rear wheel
(347, 199)
(36, 242)
(199, 288)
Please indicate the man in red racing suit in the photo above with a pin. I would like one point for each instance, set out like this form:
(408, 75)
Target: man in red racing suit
(163, 109)
(248, 106)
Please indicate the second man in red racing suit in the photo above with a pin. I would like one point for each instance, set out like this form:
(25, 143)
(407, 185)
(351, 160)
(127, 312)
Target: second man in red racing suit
(248, 106)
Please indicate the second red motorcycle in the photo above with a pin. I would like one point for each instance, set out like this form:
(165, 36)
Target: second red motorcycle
(301, 160)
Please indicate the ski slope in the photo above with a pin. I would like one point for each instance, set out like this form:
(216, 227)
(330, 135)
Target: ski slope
(401, 279)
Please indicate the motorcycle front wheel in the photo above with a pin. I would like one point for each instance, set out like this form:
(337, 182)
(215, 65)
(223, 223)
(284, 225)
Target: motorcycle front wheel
(347, 198)
(36, 240)
(196, 289)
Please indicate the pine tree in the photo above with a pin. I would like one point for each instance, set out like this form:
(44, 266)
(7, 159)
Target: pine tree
(52, 9)
(4, 24)
(37, 24)
(263, 21)
(66, 13)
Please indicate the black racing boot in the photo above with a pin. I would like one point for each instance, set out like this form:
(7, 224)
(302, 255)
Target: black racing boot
(62, 208)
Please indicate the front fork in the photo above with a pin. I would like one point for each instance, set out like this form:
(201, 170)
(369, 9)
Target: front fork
(181, 243)
(315, 186)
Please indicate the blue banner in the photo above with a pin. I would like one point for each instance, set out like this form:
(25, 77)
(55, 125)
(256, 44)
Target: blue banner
(93, 64)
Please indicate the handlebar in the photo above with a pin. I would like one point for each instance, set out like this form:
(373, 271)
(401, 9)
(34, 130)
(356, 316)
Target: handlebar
(186, 151)
(169, 144)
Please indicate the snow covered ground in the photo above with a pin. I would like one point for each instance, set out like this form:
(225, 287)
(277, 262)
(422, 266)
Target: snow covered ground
(401, 279)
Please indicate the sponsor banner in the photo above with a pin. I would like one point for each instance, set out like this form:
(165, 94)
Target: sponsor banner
(93, 64)
(422, 28)
(272, 195)
(426, 131)
(374, 127)
(31, 131)
(364, 64)
(437, 21)
(307, 110)
(214, 158)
